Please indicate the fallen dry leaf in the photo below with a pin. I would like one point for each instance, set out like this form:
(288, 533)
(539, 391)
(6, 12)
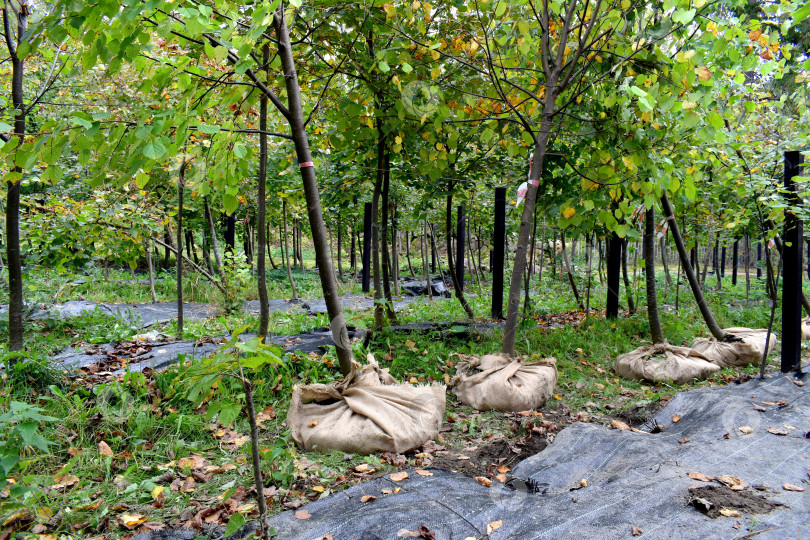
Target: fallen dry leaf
(386, 492)
(746, 430)
(583, 483)
(700, 476)
(502, 469)
(777, 431)
(792, 487)
(399, 476)
(728, 512)
(104, 449)
(758, 407)
(191, 462)
(130, 521)
(64, 481)
(683, 440)
(483, 481)
(319, 489)
(423, 473)
(676, 418)
(636, 531)
(364, 468)
(494, 526)
(302, 514)
(618, 424)
(732, 482)
(368, 498)
(313, 423)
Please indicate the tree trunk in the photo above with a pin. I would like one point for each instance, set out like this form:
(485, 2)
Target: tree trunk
(327, 276)
(448, 221)
(148, 251)
(339, 249)
(394, 244)
(656, 333)
(181, 184)
(386, 256)
(213, 235)
(288, 262)
(269, 244)
(408, 240)
(15, 280)
(375, 229)
(570, 272)
(261, 210)
(628, 290)
(424, 244)
(711, 323)
(528, 277)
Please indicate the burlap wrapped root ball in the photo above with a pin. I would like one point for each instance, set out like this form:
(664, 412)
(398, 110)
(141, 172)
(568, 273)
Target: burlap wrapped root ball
(664, 363)
(496, 382)
(366, 413)
(745, 347)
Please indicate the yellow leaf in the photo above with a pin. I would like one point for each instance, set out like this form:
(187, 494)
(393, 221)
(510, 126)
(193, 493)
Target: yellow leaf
(130, 521)
(625, 4)
(319, 489)
(568, 213)
(399, 477)
(157, 493)
(494, 526)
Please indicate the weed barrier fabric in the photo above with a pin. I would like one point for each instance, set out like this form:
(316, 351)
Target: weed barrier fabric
(633, 480)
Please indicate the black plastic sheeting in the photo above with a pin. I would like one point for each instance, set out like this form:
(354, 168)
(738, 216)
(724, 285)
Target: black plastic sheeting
(144, 315)
(633, 480)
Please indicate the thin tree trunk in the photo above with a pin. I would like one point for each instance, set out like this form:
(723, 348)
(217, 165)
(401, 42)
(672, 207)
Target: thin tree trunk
(424, 244)
(261, 210)
(148, 250)
(181, 184)
(631, 306)
(569, 272)
(213, 234)
(387, 273)
(748, 270)
(438, 256)
(448, 221)
(256, 457)
(288, 262)
(269, 243)
(408, 253)
(656, 333)
(471, 255)
(379, 310)
(15, 280)
(708, 317)
(527, 279)
(339, 250)
(394, 246)
(327, 276)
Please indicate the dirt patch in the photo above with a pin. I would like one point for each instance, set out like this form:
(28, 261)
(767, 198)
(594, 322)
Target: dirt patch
(639, 415)
(712, 500)
(482, 460)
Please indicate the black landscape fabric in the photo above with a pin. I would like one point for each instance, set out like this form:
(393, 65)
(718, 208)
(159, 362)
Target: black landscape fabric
(594, 481)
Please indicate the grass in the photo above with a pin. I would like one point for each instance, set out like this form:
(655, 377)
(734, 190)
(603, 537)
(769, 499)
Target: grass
(150, 427)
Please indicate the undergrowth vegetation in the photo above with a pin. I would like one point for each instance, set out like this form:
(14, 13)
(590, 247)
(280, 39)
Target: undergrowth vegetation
(152, 448)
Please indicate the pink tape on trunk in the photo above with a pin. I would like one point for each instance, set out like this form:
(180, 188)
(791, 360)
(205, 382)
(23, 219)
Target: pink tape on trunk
(306, 164)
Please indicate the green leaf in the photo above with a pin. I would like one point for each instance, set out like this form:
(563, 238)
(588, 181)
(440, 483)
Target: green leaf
(237, 520)
(209, 130)
(500, 9)
(230, 203)
(228, 413)
(684, 16)
(154, 149)
(801, 14)
(384, 67)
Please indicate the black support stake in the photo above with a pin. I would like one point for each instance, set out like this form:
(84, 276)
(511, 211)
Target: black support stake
(734, 262)
(792, 271)
(498, 253)
(723, 261)
(460, 247)
(614, 269)
(759, 260)
(367, 247)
